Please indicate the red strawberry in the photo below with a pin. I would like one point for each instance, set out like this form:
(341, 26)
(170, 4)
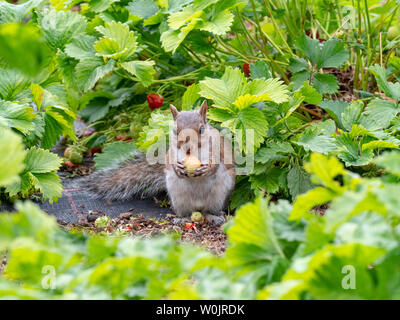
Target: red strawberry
(70, 164)
(154, 101)
(121, 137)
(246, 69)
(95, 150)
(189, 225)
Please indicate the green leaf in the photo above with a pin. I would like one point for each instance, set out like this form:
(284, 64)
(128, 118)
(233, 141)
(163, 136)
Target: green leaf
(14, 39)
(118, 41)
(226, 90)
(10, 13)
(143, 70)
(274, 151)
(325, 83)
(335, 109)
(157, 130)
(274, 88)
(143, 8)
(311, 140)
(351, 114)
(269, 180)
(253, 225)
(28, 222)
(390, 161)
(41, 161)
(327, 54)
(89, 71)
(305, 202)
(390, 89)
(16, 116)
(352, 154)
(49, 185)
(378, 114)
(12, 156)
(81, 47)
(114, 155)
(101, 5)
(220, 24)
(369, 229)
(12, 84)
(298, 181)
(310, 94)
(59, 27)
(260, 69)
(324, 275)
(190, 96)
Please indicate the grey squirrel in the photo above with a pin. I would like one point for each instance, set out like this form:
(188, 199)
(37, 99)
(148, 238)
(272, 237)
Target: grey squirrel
(207, 189)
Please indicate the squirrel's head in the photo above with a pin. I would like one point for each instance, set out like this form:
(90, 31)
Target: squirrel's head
(190, 127)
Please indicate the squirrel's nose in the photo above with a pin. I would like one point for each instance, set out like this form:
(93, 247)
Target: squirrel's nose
(188, 152)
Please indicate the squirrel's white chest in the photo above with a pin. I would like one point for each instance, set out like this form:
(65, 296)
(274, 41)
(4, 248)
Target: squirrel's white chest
(207, 194)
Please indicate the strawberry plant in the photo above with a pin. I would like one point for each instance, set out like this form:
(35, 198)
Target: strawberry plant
(317, 84)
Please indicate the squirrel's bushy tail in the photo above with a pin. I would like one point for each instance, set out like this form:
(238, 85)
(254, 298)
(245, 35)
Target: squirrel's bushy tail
(137, 178)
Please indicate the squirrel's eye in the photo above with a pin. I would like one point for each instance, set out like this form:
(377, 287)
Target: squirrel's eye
(201, 130)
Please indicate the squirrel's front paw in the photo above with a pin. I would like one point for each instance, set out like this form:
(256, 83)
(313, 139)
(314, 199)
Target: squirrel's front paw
(202, 171)
(180, 170)
(216, 220)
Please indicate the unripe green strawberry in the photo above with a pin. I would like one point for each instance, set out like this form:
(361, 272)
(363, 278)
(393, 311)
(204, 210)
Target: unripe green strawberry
(75, 157)
(67, 152)
(196, 216)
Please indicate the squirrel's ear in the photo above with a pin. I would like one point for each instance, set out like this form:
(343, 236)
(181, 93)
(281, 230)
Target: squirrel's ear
(174, 111)
(203, 110)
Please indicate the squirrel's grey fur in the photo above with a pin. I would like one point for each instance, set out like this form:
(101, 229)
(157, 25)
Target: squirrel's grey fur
(135, 179)
(207, 190)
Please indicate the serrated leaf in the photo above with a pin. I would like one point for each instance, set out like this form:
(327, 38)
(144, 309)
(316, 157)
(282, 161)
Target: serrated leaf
(115, 154)
(89, 71)
(327, 54)
(81, 47)
(273, 152)
(253, 225)
(14, 39)
(143, 8)
(101, 5)
(11, 12)
(390, 89)
(118, 41)
(298, 181)
(335, 109)
(311, 140)
(226, 90)
(311, 95)
(143, 70)
(351, 114)
(325, 83)
(390, 161)
(41, 161)
(305, 202)
(220, 24)
(352, 153)
(378, 114)
(367, 228)
(12, 84)
(12, 157)
(260, 69)
(190, 96)
(49, 184)
(270, 180)
(59, 27)
(274, 88)
(16, 116)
